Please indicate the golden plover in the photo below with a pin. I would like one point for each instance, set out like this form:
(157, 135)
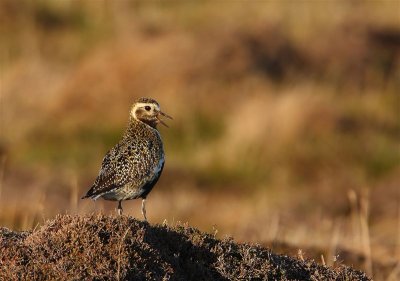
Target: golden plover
(133, 166)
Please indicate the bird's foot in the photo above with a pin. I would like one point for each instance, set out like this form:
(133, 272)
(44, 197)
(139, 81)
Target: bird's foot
(119, 209)
(144, 209)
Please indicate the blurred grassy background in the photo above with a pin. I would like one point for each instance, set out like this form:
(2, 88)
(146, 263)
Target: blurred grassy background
(286, 116)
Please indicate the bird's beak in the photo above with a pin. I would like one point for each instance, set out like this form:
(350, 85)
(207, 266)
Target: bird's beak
(164, 115)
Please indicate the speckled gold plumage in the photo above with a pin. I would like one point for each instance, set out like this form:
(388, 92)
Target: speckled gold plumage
(133, 166)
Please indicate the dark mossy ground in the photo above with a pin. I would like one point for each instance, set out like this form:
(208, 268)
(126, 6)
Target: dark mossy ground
(100, 247)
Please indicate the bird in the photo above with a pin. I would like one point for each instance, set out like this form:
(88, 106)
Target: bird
(133, 166)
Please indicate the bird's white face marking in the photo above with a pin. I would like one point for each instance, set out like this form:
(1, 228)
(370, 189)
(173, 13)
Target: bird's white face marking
(149, 109)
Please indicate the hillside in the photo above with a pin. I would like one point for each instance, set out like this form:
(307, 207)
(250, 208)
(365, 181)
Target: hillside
(100, 247)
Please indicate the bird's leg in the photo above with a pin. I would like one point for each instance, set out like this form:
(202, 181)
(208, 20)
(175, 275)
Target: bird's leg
(119, 210)
(144, 209)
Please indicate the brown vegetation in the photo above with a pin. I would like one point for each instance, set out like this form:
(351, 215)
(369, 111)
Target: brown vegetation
(100, 247)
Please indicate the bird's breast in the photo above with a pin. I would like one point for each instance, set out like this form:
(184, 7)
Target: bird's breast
(160, 166)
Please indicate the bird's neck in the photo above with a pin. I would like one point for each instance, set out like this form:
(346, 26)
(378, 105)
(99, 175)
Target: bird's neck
(135, 126)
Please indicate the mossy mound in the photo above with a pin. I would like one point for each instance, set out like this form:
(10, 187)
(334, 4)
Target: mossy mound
(99, 247)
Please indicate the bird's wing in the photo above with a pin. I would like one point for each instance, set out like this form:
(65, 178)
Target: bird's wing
(115, 172)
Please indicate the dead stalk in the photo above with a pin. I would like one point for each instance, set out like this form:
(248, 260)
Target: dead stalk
(365, 235)
(119, 254)
(359, 217)
(323, 260)
(352, 195)
(334, 243)
(300, 254)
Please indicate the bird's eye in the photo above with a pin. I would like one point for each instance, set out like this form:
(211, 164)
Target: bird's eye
(147, 108)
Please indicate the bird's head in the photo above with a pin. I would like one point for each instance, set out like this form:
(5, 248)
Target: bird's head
(148, 111)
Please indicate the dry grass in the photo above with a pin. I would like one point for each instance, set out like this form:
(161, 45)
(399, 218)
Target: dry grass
(122, 248)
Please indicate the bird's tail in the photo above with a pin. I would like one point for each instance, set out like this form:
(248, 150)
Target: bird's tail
(87, 195)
